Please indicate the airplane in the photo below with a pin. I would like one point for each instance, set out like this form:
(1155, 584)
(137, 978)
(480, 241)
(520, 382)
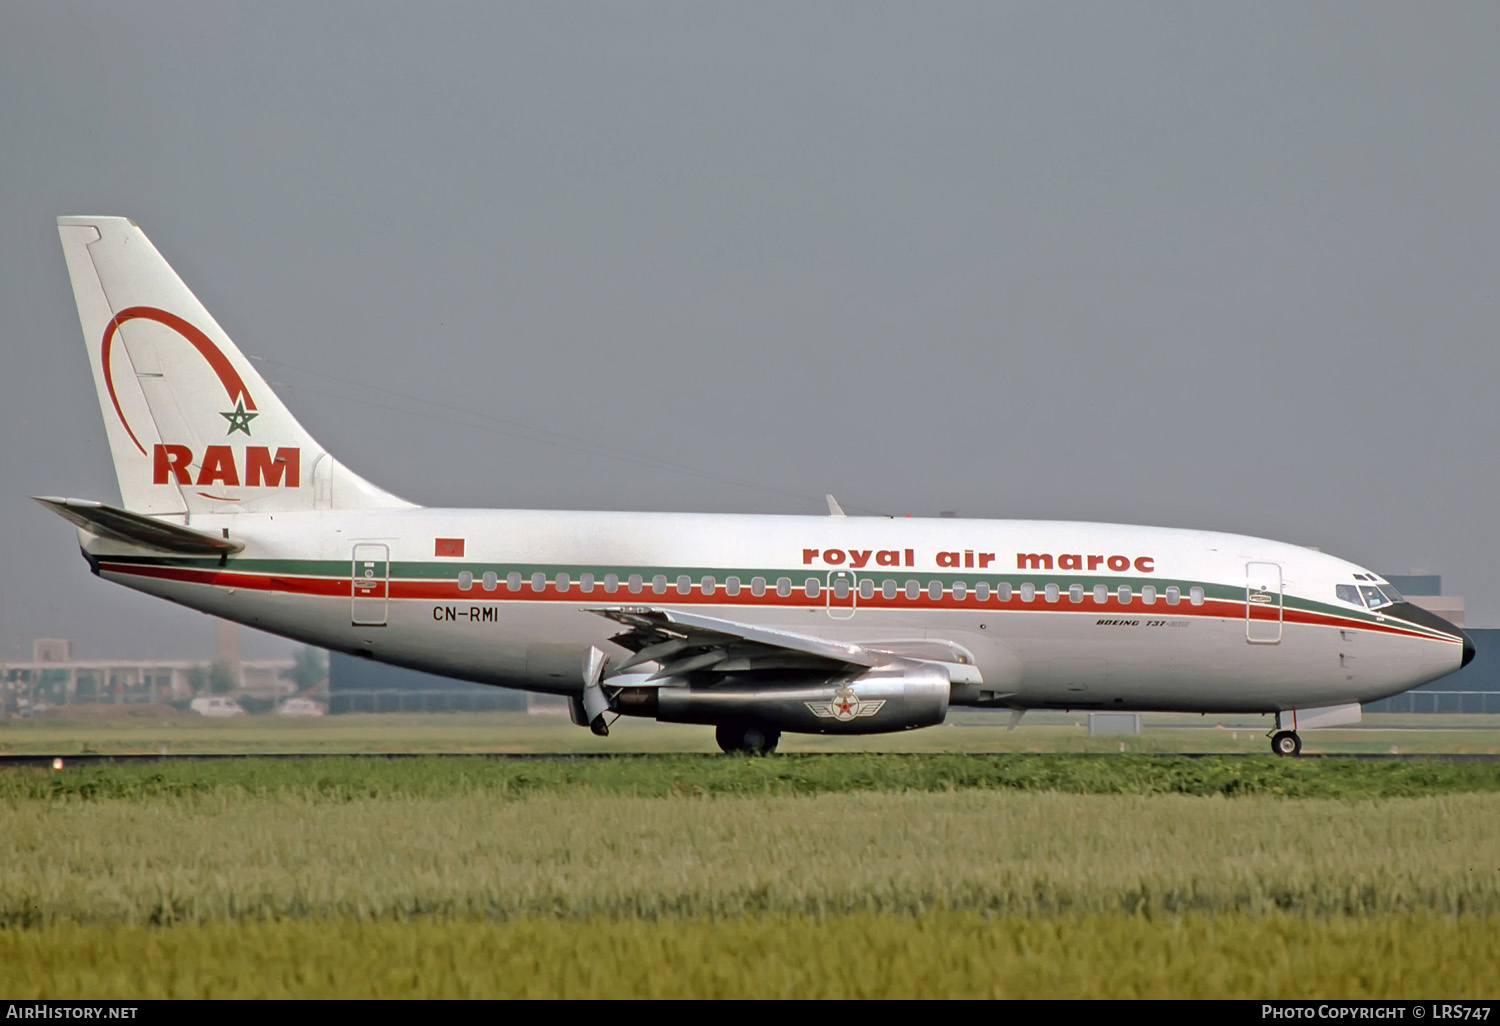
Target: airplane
(752, 624)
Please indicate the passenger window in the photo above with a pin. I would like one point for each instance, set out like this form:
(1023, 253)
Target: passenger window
(811, 588)
(866, 588)
(465, 581)
(1196, 595)
(491, 581)
(585, 583)
(1101, 594)
(913, 589)
(1348, 593)
(611, 583)
(1123, 594)
(757, 586)
(935, 590)
(1148, 594)
(635, 584)
(539, 581)
(708, 584)
(1002, 591)
(1051, 592)
(841, 587)
(684, 585)
(1075, 593)
(1173, 595)
(562, 581)
(512, 581)
(982, 590)
(783, 586)
(960, 589)
(888, 589)
(1028, 592)
(731, 586)
(659, 584)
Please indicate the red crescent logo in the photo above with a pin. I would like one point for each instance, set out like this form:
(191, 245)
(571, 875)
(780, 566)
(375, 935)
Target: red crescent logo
(201, 342)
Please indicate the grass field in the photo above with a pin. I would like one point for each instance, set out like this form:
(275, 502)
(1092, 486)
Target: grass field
(218, 857)
(940, 954)
(146, 729)
(945, 875)
(351, 778)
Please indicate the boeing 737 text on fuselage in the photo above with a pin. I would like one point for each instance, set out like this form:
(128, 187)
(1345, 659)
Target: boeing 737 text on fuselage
(753, 624)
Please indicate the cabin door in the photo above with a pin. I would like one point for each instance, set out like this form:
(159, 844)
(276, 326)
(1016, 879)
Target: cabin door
(841, 594)
(1263, 603)
(369, 585)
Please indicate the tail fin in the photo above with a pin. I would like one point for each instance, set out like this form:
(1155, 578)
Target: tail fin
(192, 426)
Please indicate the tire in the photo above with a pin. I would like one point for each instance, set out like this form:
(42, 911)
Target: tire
(731, 737)
(746, 738)
(760, 740)
(1286, 742)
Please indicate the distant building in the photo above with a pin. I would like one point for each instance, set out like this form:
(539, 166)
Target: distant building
(52, 677)
(1473, 689)
(356, 684)
(51, 650)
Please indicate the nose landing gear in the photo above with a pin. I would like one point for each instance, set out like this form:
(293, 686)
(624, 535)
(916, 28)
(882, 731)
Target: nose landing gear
(1286, 742)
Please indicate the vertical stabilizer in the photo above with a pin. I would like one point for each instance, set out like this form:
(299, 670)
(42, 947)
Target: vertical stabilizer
(192, 426)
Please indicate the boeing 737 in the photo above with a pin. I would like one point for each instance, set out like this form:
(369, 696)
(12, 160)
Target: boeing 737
(754, 625)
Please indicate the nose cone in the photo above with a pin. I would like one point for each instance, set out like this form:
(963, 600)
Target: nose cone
(1417, 615)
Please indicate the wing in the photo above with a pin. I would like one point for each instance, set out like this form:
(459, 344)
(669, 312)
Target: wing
(683, 643)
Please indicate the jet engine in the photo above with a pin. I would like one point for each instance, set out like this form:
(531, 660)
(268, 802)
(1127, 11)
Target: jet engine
(879, 701)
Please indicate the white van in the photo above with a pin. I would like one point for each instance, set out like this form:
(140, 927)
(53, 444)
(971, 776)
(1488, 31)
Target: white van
(299, 707)
(216, 705)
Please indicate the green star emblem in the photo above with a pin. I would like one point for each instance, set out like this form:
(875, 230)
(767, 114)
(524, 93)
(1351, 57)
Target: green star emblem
(239, 418)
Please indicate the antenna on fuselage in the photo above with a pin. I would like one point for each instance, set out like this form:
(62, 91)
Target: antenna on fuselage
(834, 509)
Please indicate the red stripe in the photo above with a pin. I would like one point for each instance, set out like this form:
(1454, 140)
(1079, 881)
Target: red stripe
(292, 584)
(448, 591)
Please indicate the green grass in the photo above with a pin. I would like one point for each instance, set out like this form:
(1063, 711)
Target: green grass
(353, 777)
(944, 954)
(226, 856)
(156, 729)
(706, 876)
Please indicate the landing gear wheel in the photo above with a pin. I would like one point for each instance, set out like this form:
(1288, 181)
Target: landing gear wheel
(1286, 742)
(747, 738)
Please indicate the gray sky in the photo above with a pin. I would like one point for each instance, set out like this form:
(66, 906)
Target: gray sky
(1225, 266)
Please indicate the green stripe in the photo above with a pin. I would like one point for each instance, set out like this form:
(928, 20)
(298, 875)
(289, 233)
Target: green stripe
(429, 570)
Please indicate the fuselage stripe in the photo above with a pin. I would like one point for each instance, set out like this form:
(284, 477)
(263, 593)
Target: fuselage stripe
(447, 591)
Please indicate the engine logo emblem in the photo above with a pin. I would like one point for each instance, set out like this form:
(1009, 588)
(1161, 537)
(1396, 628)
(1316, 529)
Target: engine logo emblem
(845, 706)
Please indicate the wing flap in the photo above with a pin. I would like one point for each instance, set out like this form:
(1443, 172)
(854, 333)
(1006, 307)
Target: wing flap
(688, 642)
(138, 529)
(682, 643)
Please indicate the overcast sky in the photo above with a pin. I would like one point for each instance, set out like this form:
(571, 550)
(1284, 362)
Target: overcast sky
(1223, 266)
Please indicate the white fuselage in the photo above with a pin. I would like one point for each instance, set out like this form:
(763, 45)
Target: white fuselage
(1052, 614)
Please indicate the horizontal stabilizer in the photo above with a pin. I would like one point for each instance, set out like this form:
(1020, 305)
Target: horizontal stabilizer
(137, 529)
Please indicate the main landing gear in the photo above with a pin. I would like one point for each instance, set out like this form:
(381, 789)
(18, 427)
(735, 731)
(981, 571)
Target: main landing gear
(1286, 742)
(746, 738)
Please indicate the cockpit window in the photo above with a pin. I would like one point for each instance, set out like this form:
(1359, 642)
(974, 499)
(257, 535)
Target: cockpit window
(1349, 593)
(1373, 597)
(1391, 593)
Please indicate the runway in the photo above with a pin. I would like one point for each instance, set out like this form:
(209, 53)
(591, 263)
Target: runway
(76, 760)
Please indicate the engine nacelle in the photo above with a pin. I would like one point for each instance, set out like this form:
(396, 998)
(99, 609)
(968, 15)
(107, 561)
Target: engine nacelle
(880, 701)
